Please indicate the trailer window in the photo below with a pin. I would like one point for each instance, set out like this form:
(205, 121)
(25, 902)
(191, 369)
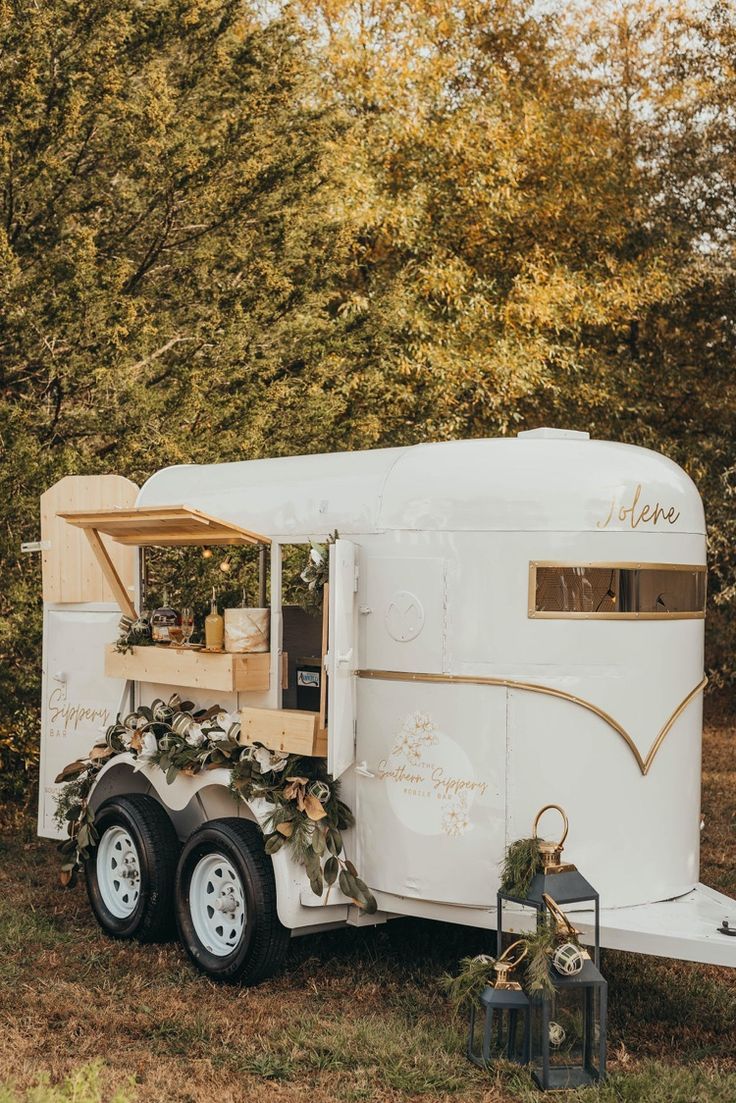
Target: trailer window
(616, 590)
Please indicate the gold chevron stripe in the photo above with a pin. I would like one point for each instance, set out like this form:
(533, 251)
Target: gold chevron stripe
(533, 687)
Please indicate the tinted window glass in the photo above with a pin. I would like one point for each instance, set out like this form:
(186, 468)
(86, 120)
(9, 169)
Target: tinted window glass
(610, 590)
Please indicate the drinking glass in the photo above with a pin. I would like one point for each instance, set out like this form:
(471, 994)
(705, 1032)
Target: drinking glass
(175, 634)
(187, 625)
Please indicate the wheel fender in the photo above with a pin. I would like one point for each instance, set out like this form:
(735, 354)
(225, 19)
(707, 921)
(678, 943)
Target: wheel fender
(192, 801)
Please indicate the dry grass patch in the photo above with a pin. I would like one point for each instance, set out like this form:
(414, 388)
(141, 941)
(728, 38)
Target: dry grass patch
(357, 1015)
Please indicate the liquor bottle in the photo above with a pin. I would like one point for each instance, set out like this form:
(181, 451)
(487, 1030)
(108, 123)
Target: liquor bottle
(214, 627)
(162, 620)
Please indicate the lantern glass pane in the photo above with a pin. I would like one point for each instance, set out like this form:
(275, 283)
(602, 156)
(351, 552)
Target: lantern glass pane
(515, 919)
(566, 1038)
(498, 1029)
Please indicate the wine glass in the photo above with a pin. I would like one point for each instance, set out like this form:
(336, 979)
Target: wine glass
(175, 634)
(187, 625)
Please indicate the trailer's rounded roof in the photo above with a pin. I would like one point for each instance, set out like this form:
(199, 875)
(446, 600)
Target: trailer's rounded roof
(535, 483)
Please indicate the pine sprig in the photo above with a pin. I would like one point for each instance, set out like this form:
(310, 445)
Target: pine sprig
(523, 860)
(540, 945)
(476, 973)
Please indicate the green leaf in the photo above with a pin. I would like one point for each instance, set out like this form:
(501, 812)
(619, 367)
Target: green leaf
(334, 840)
(331, 870)
(312, 864)
(316, 884)
(273, 843)
(171, 774)
(365, 897)
(347, 884)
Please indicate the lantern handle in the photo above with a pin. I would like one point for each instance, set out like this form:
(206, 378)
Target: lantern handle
(557, 808)
(504, 956)
(559, 916)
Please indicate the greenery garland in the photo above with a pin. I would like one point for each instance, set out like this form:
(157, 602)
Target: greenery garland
(307, 814)
(133, 633)
(316, 571)
(466, 987)
(476, 973)
(523, 860)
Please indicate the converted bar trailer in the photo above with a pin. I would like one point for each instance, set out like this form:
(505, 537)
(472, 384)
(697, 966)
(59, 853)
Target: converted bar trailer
(512, 622)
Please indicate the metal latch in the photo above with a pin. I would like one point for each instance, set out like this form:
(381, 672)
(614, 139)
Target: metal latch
(725, 929)
(36, 546)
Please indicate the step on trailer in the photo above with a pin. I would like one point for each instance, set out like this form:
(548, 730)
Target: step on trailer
(512, 623)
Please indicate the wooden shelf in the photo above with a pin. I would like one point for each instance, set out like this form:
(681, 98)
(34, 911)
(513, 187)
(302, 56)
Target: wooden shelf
(193, 669)
(293, 730)
(162, 526)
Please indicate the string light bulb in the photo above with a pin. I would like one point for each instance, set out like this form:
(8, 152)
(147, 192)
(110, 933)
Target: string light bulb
(206, 553)
(226, 566)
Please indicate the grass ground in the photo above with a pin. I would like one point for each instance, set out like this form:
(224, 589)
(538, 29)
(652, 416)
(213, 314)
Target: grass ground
(356, 1016)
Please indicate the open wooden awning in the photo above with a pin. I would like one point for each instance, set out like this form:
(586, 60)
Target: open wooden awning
(163, 526)
(154, 526)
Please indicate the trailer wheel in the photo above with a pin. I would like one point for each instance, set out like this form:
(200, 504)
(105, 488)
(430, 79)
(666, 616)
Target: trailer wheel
(226, 903)
(130, 874)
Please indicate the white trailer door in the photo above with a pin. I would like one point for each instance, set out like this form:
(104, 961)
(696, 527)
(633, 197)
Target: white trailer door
(341, 658)
(78, 701)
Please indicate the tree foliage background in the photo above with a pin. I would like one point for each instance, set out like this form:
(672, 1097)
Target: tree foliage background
(231, 230)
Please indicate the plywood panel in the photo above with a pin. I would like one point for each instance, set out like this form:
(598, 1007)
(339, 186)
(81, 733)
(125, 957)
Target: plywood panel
(292, 730)
(193, 669)
(71, 572)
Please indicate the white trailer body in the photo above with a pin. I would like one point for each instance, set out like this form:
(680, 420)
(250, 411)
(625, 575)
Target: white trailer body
(481, 665)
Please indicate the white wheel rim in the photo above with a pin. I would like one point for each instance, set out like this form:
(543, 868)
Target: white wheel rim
(118, 872)
(217, 904)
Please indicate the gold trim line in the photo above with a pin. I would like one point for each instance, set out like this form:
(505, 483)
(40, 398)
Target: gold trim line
(533, 687)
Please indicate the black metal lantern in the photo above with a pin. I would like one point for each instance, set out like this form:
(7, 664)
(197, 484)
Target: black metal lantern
(499, 1029)
(568, 1034)
(560, 881)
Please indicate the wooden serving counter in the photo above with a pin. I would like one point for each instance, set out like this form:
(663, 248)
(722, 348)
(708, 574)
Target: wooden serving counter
(176, 666)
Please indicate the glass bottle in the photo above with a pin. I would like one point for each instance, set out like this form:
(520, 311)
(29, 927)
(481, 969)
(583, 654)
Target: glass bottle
(162, 620)
(214, 627)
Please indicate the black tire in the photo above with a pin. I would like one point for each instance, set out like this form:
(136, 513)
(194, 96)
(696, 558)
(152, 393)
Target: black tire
(262, 941)
(152, 833)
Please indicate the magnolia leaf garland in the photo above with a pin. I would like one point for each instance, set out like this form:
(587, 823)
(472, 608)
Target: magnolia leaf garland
(307, 814)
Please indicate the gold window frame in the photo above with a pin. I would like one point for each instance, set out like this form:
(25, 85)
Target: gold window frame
(536, 614)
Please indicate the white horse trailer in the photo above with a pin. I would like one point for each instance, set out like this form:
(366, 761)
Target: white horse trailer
(512, 622)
